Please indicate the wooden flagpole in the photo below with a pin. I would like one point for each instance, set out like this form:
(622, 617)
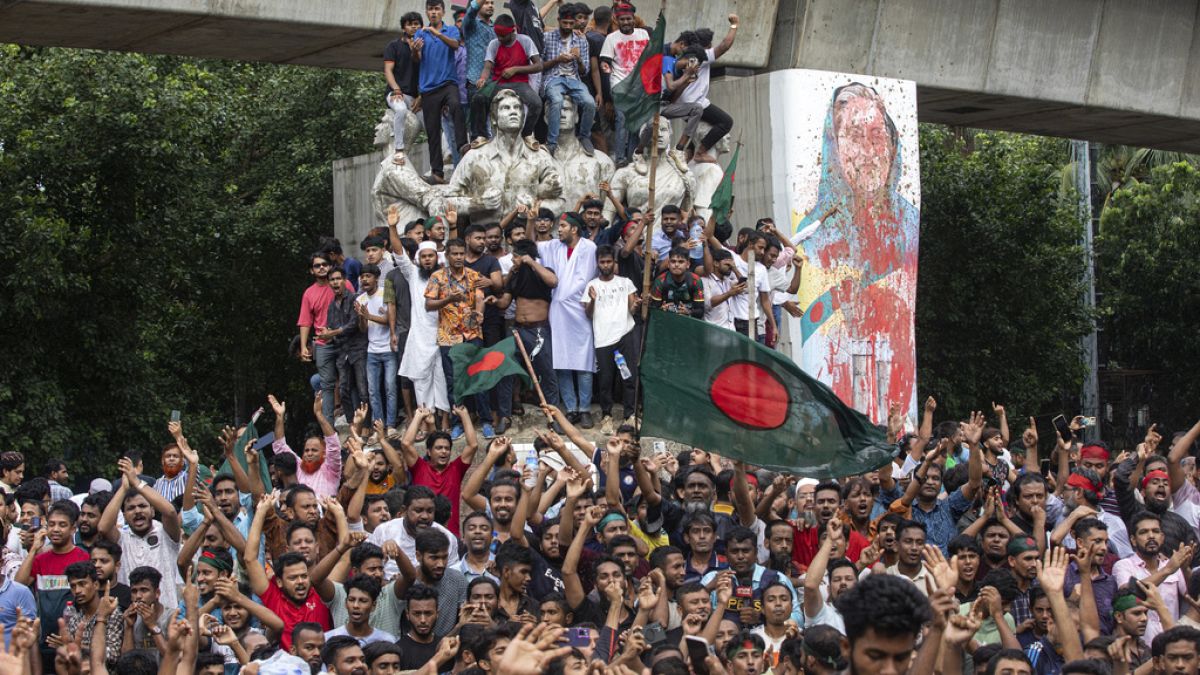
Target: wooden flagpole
(529, 364)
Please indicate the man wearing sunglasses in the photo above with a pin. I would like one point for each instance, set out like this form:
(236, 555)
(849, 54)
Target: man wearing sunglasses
(314, 308)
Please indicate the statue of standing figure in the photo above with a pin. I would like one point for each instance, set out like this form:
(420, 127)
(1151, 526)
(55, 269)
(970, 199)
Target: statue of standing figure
(581, 172)
(496, 175)
(402, 184)
(709, 174)
(674, 182)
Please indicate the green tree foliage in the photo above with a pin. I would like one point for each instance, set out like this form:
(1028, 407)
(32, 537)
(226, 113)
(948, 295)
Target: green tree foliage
(1146, 257)
(156, 215)
(999, 296)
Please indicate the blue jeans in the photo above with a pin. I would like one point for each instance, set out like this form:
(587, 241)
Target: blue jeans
(483, 409)
(326, 358)
(556, 89)
(381, 381)
(567, 380)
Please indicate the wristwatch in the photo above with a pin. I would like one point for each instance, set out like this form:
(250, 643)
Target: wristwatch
(155, 630)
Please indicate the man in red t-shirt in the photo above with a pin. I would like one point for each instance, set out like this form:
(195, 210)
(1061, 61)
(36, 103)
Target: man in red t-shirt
(509, 60)
(290, 594)
(314, 313)
(827, 503)
(438, 472)
(46, 572)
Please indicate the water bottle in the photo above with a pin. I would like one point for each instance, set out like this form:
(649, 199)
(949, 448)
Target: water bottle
(697, 233)
(622, 365)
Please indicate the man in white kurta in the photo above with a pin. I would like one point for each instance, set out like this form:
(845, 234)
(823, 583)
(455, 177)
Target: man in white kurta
(573, 258)
(421, 361)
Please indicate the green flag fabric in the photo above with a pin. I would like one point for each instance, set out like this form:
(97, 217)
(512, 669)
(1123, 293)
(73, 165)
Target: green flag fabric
(716, 389)
(721, 202)
(478, 369)
(239, 453)
(638, 95)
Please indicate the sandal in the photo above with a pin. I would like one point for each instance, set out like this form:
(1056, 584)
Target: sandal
(398, 158)
(419, 437)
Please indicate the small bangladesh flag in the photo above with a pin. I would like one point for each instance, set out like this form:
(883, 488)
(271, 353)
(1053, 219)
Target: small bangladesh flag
(722, 198)
(731, 395)
(478, 369)
(638, 95)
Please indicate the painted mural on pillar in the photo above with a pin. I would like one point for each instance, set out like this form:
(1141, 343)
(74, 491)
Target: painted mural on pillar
(853, 186)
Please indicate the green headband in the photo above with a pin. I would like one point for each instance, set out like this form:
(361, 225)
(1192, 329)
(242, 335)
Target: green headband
(1124, 602)
(207, 558)
(608, 519)
(1020, 545)
(431, 221)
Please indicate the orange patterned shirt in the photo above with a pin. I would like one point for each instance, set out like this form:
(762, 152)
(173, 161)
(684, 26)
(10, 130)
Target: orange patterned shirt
(457, 321)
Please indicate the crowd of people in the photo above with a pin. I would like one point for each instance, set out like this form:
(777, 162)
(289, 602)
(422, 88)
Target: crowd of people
(369, 555)
(449, 72)
(411, 534)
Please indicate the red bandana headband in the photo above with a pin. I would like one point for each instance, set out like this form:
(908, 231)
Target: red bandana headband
(1093, 452)
(501, 31)
(1157, 473)
(1077, 481)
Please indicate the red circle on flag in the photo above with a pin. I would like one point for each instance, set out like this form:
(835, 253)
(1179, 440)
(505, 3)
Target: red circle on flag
(652, 74)
(490, 361)
(750, 395)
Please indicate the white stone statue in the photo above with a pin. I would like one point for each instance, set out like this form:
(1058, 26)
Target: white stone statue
(400, 184)
(414, 129)
(495, 175)
(581, 173)
(674, 183)
(708, 174)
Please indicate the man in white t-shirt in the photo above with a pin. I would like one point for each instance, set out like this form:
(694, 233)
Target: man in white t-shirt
(694, 66)
(720, 286)
(145, 542)
(620, 53)
(381, 360)
(610, 301)
(740, 304)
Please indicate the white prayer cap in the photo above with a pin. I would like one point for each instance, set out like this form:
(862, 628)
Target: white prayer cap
(426, 246)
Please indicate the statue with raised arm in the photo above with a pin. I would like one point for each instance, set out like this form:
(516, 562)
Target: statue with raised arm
(674, 182)
(709, 174)
(581, 172)
(495, 175)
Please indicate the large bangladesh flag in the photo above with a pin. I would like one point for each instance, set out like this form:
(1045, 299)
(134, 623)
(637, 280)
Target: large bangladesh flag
(478, 369)
(716, 389)
(639, 94)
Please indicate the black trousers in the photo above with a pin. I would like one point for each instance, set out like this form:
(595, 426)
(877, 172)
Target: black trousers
(721, 124)
(432, 102)
(606, 372)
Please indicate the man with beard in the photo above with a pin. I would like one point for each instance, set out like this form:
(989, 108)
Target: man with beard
(883, 616)
(1081, 500)
(920, 500)
(514, 563)
(1091, 544)
(819, 610)
(290, 594)
(827, 506)
(750, 579)
(398, 536)
(314, 312)
(437, 471)
(366, 560)
(547, 552)
(669, 562)
(226, 503)
(1177, 651)
(1034, 509)
(574, 260)
(343, 655)
(456, 293)
(307, 639)
(300, 504)
(477, 535)
(994, 537)
(608, 572)
(1155, 489)
(321, 460)
(350, 342)
(90, 511)
(532, 285)
(361, 595)
(419, 361)
(82, 615)
(433, 571)
(502, 494)
(423, 611)
(1151, 565)
(779, 538)
(1131, 611)
(1023, 562)
(106, 557)
(144, 541)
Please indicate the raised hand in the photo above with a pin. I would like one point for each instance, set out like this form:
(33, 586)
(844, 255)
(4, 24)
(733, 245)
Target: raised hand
(974, 428)
(278, 406)
(1182, 555)
(998, 409)
(360, 414)
(1153, 438)
(176, 429)
(1052, 571)
(532, 650)
(960, 628)
(1029, 437)
(945, 573)
(930, 405)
